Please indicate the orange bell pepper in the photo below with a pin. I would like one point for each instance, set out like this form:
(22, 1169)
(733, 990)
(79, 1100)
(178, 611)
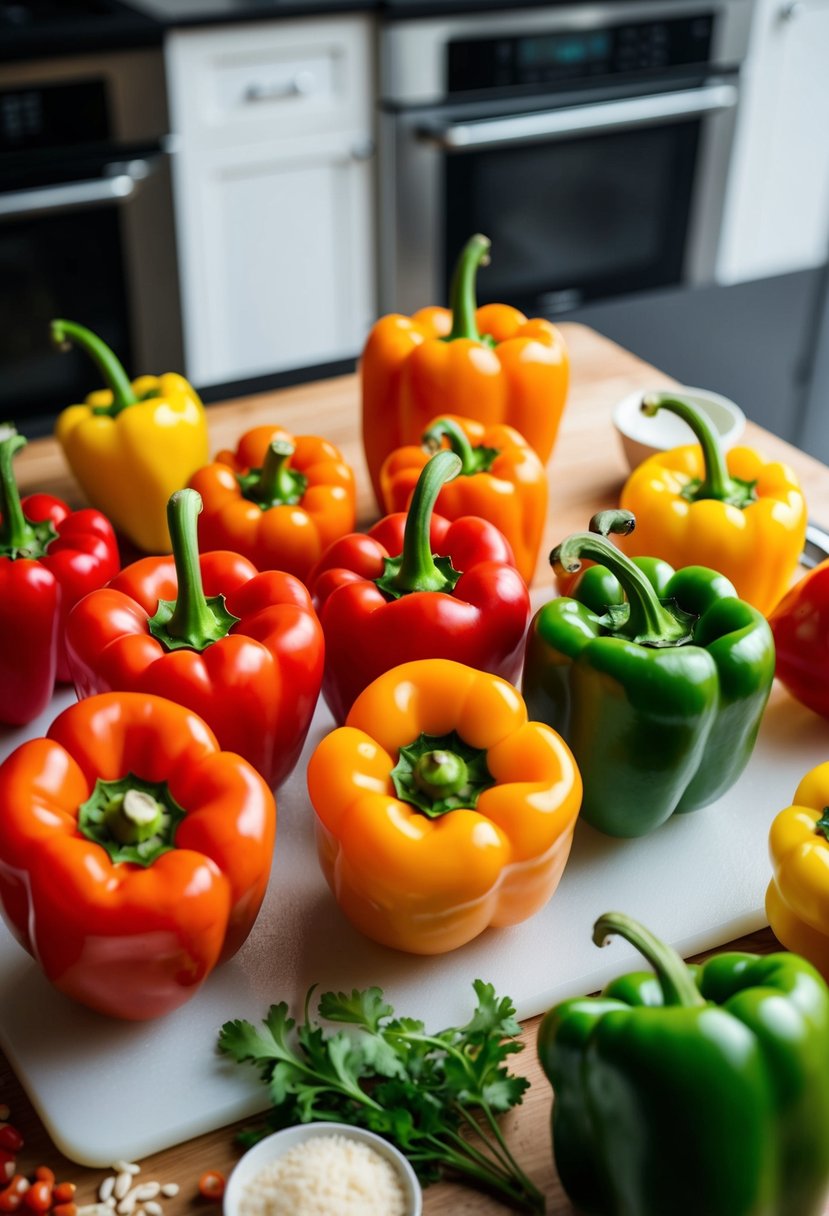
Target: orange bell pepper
(440, 809)
(733, 512)
(279, 500)
(492, 364)
(797, 900)
(501, 480)
(134, 854)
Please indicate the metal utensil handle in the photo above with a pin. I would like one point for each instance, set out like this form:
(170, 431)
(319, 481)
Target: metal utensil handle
(120, 183)
(577, 120)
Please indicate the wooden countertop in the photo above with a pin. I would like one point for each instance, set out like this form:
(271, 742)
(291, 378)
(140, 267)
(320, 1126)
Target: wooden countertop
(586, 474)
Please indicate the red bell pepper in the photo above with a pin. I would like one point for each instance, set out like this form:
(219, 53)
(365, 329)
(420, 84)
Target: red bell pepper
(418, 587)
(134, 854)
(800, 624)
(243, 650)
(49, 558)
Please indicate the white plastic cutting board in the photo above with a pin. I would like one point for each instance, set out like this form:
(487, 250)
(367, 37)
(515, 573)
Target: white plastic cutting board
(108, 1090)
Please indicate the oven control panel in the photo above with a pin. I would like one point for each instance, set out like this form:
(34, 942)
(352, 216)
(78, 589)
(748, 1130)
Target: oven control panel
(573, 55)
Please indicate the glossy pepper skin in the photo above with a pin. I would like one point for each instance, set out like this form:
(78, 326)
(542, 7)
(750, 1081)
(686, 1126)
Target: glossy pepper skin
(694, 1090)
(734, 512)
(471, 828)
(126, 915)
(49, 558)
(492, 364)
(797, 900)
(656, 679)
(131, 445)
(248, 658)
(418, 587)
(279, 500)
(501, 480)
(800, 624)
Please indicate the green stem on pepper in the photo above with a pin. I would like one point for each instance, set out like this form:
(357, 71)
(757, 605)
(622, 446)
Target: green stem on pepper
(417, 569)
(676, 981)
(716, 483)
(473, 459)
(68, 333)
(646, 621)
(191, 620)
(19, 537)
(462, 299)
(276, 484)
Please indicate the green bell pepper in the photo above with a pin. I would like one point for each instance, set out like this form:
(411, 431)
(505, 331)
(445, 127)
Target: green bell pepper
(657, 679)
(697, 1091)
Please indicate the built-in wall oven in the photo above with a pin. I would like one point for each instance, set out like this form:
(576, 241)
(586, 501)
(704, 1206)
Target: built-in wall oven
(86, 225)
(590, 142)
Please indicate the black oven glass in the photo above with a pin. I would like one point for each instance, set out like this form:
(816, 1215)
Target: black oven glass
(574, 220)
(67, 265)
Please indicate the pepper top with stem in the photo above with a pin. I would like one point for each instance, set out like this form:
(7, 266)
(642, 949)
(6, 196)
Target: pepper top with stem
(647, 621)
(417, 569)
(716, 483)
(192, 620)
(675, 980)
(473, 459)
(68, 333)
(19, 537)
(462, 299)
(275, 484)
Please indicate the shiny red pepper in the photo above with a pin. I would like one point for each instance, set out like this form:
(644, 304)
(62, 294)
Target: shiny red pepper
(248, 658)
(800, 624)
(49, 558)
(418, 587)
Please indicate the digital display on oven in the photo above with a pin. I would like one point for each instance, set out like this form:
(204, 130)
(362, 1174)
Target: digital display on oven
(564, 48)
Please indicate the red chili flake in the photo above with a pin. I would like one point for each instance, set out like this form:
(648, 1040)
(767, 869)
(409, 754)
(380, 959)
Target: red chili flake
(212, 1185)
(11, 1140)
(12, 1197)
(64, 1192)
(38, 1198)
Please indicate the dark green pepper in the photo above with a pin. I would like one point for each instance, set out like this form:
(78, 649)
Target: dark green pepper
(695, 1092)
(657, 679)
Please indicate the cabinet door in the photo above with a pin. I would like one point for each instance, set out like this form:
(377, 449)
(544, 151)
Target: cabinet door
(777, 212)
(276, 259)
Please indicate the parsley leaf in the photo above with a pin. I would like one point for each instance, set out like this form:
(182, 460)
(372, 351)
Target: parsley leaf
(433, 1095)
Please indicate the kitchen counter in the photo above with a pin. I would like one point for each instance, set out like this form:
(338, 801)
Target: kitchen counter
(586, 473)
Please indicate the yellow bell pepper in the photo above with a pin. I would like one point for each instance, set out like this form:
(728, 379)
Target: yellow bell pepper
(133, 444)
(797, 900)
(440, 809)
(733, 512)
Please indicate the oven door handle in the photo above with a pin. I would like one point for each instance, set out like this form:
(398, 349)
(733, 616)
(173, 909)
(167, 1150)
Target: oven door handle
(581, 120)
(121, 182)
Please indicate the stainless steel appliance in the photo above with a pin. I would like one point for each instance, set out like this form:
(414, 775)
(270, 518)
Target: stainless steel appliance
(590, 142)
(86, 224)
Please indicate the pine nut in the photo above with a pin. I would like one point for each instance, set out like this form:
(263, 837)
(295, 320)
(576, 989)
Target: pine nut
(170, 1189)
(147, 1190)
(105, 1189)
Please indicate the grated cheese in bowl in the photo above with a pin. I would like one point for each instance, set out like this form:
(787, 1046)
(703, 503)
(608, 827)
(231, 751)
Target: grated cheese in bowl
(323, 1170)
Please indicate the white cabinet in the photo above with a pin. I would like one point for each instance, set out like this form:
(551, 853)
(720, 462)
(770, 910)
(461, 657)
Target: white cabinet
(273, 179)
(777, 208)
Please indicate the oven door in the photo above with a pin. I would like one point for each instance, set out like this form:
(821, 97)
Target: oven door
(581, 202)
(93, 243)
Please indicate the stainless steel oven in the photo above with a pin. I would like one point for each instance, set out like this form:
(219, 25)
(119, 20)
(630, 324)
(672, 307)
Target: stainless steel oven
(86, 224)
(590, 142)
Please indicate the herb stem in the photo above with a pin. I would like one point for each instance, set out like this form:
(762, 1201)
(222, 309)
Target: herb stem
(527, 1201)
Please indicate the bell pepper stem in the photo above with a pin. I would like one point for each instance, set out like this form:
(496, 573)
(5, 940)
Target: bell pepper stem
(676, 981)
(649, 622)
(458, 443)
(68, 333)
(462, 300)
(276, 483)
(191, 620)
(16, 534)
(716, 483)
(440, 773)
(417, 569)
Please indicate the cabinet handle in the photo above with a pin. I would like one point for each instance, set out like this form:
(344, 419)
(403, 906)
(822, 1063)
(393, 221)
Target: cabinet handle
(301, 85)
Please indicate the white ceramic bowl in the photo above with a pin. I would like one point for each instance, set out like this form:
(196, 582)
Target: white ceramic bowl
(642, 436)
(275, 1146)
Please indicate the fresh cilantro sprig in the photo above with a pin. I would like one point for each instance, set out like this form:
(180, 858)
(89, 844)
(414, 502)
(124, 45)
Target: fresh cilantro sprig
(436, 1096)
